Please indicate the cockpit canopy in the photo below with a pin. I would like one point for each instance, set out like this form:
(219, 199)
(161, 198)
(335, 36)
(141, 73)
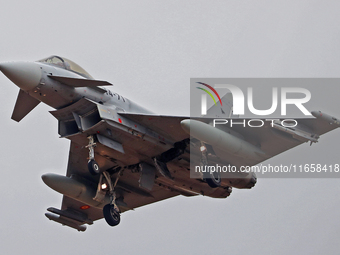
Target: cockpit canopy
(66, 64)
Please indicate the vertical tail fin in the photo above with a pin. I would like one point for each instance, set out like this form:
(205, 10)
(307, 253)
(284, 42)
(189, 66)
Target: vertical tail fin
(225, 111)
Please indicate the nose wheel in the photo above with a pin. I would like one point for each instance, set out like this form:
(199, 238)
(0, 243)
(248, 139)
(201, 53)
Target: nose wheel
(93, 167)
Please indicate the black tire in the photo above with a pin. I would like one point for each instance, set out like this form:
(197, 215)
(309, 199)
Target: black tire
(93, 167)
(213, 179)
(111, 215)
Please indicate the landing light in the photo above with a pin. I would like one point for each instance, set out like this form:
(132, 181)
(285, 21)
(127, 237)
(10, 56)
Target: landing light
(203, 148)
(104, 186)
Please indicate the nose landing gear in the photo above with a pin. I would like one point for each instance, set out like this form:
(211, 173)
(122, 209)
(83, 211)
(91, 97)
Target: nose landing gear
(93, 167)
(92, 164)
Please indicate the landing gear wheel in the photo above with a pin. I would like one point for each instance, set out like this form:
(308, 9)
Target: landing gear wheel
(213, 179)
(111, 215)
(93, 167)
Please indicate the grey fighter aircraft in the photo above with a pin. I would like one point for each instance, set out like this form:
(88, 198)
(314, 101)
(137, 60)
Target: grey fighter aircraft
(123, 156)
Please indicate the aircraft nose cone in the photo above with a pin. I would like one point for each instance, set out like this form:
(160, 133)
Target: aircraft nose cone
(25, 75)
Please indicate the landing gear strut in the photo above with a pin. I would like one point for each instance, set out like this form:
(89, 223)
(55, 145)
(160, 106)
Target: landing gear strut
(92, 164)
(111, 211)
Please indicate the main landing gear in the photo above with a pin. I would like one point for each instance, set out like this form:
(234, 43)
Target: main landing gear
(111, 211)
(212, 178)
(111, 215)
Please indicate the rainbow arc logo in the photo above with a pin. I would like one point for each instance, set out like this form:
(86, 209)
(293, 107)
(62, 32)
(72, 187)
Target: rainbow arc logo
(209, 93)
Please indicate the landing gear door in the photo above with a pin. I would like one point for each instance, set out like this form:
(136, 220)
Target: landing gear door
(147, 176)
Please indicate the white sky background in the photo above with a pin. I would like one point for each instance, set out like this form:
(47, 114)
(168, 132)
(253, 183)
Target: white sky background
(149, 50)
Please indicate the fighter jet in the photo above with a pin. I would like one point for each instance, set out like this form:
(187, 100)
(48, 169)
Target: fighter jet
(123, 156)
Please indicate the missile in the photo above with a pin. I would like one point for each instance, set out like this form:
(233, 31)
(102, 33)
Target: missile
(298, 134)
(220, 139)
(71, 215)
(66, 222)
(73, 188)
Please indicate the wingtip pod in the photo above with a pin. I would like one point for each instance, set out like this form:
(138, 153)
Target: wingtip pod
(323, 116)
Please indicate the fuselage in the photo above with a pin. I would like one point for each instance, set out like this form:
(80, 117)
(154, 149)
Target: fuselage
(60, 83)
(58, 95)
